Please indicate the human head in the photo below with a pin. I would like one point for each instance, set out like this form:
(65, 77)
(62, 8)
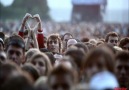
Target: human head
(62, 78)
(82, 46)
(6, 70)
(21, 81)
(30, 53)
(42, 63)
(65, 38)
(122, 68)
(112, 38)
(96, 61)
(71, 42)
(31, 70)
(124, 44)
(54, 43)
(15, 49)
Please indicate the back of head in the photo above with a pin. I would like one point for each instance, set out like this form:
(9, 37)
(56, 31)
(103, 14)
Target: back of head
(31, 70)
(18, 82)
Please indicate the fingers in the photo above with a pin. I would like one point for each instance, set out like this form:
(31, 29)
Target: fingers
(37, 17)
(26, 17)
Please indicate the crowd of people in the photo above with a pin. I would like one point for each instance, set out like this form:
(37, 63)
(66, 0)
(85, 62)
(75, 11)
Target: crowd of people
(51, 56)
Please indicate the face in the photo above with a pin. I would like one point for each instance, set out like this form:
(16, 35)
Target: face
(61, 82)
(71, 42)
(66, 38)
(2, 57)
(122, 72)
(113, 41)
(39, 63)
(95, 67)
(1, 47)
(15, 54)
(126, 47)
(53, 45)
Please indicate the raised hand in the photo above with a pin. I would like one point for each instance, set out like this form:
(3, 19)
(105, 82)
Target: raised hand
(25, 18)
(37, 17)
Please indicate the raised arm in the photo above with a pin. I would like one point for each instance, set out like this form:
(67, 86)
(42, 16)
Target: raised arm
(25, 18)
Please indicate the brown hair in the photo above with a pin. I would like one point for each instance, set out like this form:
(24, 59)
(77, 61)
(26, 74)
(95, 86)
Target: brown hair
(63, 70)
(54, 37)
(124, 41)
(113, 34)
(98, 52)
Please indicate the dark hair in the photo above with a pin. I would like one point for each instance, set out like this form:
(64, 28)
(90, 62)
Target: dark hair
(77, 56)
(6, 70)
(18, 82)
(31, 70)
(113, 34)
(16, 40)
(63, 70)
(51, 57)
(85, 39)
(66, 34)
(82, 45)
(122, 56)
(124, 41)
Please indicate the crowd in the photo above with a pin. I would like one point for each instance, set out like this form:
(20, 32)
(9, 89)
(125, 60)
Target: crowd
(64, 56)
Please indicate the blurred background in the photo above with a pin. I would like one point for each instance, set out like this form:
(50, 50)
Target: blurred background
(56, 14)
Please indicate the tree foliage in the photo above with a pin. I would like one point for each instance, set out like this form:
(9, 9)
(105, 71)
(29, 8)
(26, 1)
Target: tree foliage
(19, 7)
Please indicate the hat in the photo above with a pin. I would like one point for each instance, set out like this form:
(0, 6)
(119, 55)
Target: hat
(17, 40)
(103, 80)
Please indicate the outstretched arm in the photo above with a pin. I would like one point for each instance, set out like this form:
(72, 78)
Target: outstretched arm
(21, 30)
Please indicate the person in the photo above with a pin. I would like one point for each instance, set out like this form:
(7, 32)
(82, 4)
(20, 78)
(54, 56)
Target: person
(30, 53)
(124, 44)
(71, 42)
(42, 63)
(112, 38)
(20, 81)
(62, 78)
(6, 71)
(96, 61)
(122, 68)
(31, 70)
(54, 44)
(82, 46)
(37, 43)
(15, 49)
(77, 55)
(65, 38)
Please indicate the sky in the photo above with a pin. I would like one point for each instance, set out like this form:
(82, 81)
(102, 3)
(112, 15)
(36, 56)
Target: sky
(60, 10)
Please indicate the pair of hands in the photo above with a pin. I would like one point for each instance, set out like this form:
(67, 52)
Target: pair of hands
(28, 16)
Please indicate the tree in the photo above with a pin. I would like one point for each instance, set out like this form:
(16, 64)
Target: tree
(20, 7)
